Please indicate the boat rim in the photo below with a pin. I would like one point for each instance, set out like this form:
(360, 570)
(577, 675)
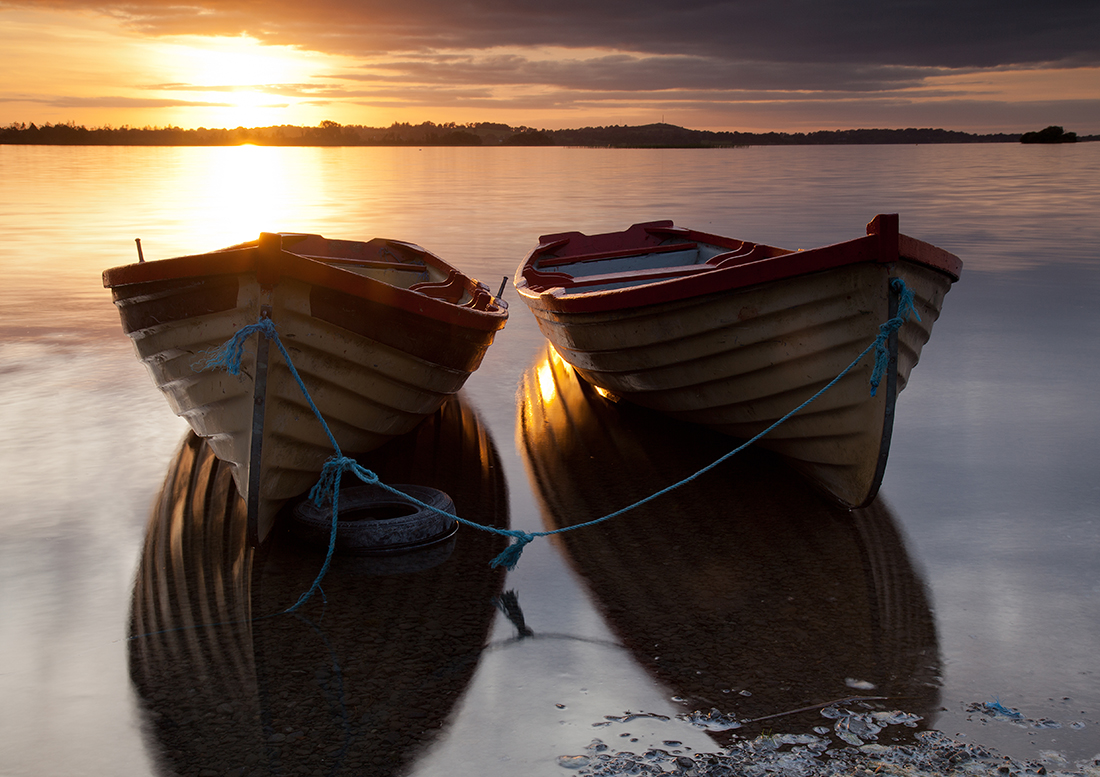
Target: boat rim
(882, 244)
(270, 266)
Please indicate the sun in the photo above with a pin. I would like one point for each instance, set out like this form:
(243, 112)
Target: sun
(238, 61)
(237, 81)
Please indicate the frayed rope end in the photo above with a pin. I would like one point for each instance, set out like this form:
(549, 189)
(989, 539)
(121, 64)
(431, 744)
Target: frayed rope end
(509, 557)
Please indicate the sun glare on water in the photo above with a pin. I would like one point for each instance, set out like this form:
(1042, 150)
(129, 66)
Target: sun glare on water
(248, 190)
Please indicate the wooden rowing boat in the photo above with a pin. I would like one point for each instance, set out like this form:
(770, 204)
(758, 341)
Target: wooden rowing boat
(381, 333)
(735, 335)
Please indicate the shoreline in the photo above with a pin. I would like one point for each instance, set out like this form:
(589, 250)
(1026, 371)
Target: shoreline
(485, 135)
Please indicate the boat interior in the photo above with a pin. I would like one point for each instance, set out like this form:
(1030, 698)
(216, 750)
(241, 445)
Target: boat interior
(395, 263)
(675, 257)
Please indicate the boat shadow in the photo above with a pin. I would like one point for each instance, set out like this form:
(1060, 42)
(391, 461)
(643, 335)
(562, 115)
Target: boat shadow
(357, 681)
(745, 593)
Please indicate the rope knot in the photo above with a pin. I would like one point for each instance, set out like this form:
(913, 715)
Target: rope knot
(889, 327)
(326, 487)
(509, 557)
(905, 299)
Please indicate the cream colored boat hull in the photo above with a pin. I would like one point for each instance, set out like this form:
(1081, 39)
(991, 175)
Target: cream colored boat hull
(367, 392)
(373, 368)
(740, 359)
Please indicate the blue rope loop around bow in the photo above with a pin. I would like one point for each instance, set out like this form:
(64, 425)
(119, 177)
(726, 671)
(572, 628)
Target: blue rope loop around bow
(887, 328)
(228, 356)
(327, 488)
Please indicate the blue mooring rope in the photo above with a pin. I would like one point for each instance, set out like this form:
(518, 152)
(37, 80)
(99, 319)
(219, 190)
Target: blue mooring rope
(229, 355)
(882, 351)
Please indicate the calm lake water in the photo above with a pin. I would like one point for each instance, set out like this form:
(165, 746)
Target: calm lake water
(973, 580)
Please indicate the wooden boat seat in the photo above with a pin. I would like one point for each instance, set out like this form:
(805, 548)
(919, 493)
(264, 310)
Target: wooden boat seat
(557, 261)
(453, 289)
(481, 300)
(450, 289)
(633, 276)
(371, 264)
(547, 279)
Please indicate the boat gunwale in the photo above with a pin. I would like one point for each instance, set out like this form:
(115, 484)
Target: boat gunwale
(271, 265)
(882, 244)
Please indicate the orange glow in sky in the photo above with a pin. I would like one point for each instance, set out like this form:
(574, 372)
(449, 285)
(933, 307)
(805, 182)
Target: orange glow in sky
(97, 69)
(88, 69)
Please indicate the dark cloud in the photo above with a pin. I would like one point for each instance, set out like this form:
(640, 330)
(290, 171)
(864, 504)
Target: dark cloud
(714, 61)
(629, 73)
(908, 33)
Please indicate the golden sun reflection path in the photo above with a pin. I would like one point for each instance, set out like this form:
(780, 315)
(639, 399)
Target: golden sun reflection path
(248, 190)
(178, 201)
(545, 379)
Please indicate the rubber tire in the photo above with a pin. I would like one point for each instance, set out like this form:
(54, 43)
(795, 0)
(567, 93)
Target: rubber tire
(402, 526)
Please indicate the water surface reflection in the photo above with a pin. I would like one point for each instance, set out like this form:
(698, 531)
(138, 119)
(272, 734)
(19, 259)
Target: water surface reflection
(359, 680)
(744, 592)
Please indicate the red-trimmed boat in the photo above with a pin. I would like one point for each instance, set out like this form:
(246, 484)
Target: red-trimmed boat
(381, 332)
(735, 335)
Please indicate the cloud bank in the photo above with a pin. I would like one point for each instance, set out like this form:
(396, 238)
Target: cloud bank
(693, 54)
(914, 34)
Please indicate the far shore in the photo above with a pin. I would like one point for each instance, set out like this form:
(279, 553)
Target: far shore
(330, 133)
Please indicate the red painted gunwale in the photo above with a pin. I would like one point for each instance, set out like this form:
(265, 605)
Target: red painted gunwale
(271, 264)
(741, 264)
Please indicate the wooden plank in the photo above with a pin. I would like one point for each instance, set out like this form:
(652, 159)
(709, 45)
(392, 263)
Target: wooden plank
(637, 276)
(641, 250)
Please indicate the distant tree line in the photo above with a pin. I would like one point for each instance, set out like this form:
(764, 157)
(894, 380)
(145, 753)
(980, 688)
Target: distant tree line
(667, 135)
(330, 133)
(1049, 135)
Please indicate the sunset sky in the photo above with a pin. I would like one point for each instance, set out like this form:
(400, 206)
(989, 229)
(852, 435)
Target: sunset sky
(752, 65)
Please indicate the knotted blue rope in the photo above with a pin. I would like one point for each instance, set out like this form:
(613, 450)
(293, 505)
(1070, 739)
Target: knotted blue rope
(327, 488)
(887, 328)
(510, 556)
(228, 356)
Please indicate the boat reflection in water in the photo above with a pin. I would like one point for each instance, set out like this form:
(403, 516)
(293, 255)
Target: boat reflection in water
(745, 591)
(359, 679)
